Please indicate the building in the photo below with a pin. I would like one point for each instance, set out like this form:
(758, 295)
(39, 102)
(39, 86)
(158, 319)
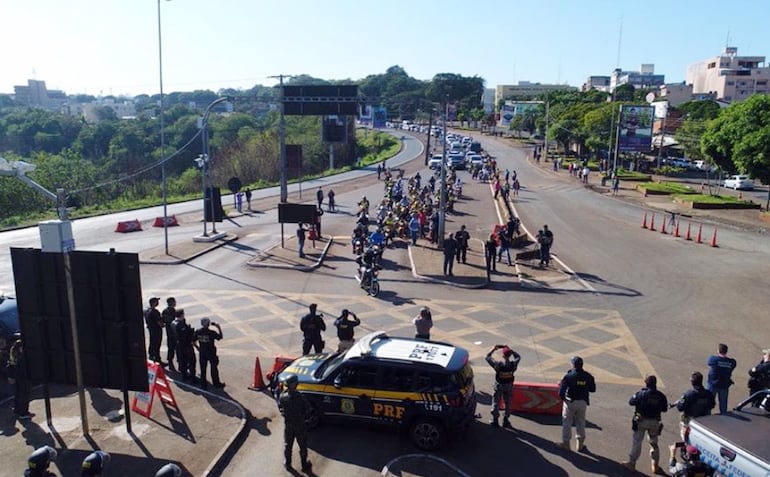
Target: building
(525, 89)
(676, 93)
(488, 100)
(122, 109)
(644, 78)
(36, 95)
(599, 83)
(729, 77)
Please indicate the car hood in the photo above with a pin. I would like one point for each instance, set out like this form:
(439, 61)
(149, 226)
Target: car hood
(306, 366)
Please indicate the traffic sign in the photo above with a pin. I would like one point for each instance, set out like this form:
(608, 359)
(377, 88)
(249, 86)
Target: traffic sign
(234, 184)
(535, 398)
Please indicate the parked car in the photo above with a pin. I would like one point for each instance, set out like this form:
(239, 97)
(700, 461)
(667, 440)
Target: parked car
(435, 161)
(684, 163)
(737, 182)
(705, 166)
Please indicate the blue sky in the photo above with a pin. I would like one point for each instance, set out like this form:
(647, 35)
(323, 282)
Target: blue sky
(111, 46)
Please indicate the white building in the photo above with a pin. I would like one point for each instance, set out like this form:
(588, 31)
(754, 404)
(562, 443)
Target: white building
(525, 89)
(729, 77)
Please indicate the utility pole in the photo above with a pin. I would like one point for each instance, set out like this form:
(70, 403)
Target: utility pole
(430, 128)
(662, 137)
(442, 186)
(282, 144)
(617, 140)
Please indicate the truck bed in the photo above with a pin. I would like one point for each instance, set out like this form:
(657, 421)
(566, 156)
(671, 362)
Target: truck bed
(746, 430)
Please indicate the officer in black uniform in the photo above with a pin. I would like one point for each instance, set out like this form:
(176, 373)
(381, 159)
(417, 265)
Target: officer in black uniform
(185, 351)
(312, 325)
(294, 409)
(648, 404)
(169, 470)
(207, 351)
(759, 377)
(345, 329)
(168, 315)
(155, 325)
(575, 388)
(697, 401)
(39, 461)
(504, 377)
(93, 465)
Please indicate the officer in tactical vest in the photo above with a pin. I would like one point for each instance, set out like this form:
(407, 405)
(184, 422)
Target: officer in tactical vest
(504, 377)
(574, 389)
(155, 326)
(294, 409)
(696, 402)
(168, 315)
(207, 351)
(311, 326)
(648, 403)
(185, 336)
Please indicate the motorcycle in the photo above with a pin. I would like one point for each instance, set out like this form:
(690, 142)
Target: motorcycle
(367, 278)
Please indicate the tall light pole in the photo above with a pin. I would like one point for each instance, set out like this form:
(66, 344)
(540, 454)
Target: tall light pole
(162, 135)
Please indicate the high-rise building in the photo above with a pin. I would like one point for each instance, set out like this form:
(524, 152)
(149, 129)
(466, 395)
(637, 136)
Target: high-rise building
(729, 77)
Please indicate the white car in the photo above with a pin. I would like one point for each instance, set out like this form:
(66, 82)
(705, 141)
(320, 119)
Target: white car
(476, 159)
(435, 161)
(705, 166)
(739, 182)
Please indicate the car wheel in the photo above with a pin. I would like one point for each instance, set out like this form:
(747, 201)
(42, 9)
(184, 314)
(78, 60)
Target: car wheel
(427, 434)
(313, 418)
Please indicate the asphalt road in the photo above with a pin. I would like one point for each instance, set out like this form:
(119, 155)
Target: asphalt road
(648, 303)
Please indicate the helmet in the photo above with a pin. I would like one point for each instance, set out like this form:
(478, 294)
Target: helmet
(577, 361)
(290, 380)
(169, 470)
(95, 463)
(41, 458)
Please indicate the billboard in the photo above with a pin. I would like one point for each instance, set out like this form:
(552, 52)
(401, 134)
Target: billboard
(635, 134)
(379, 116)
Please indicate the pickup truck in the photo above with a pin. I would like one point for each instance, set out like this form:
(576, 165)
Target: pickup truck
(736, 443)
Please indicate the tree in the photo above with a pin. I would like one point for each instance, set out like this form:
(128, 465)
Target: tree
(624, 92)
(740, 138)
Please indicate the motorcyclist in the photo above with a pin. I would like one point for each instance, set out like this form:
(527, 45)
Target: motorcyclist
(367, 262)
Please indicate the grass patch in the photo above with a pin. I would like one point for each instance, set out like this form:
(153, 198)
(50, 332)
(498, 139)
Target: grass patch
(712, 199)
(668, 188)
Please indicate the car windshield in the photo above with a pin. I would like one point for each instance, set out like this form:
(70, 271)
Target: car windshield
(328, 366)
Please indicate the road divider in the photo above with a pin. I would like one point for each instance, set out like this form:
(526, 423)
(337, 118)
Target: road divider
(129, 226)
(535, 398)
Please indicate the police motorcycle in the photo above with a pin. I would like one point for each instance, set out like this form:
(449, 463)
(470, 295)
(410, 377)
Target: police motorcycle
(367, 272)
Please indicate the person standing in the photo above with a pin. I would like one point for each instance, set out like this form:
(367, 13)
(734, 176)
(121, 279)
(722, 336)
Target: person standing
(22, 389)
(759, 376)
(505, 246)
(154, 323)
(168, 315)
(301, 240)
(319, 195)
(462, 237)
(312, 325)
(414, 228)
(504, 377)
(294, 409)
(345, 329)
(574, 389)
(185, 336)
(450, 250)
(332, 205)
(648, 404)
(516, 187)
(207, 351)
(696, 402)
(379, 171)
(615, 184)
(423, 322)
(490, 252)
(720, 373)
(545, 240)
(248, 199)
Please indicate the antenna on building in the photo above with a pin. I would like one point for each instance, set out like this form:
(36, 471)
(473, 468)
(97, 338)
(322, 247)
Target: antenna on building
(727, 40)
(620, 39)
(34, 77)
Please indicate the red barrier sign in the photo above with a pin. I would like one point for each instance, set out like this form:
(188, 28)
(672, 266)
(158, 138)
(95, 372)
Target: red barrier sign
(158, 385)
(170, 221)
(129, 226)
(535, 398)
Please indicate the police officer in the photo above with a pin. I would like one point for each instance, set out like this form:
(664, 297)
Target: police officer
(691, 465)
(462, 237)
(504, 377)
(155, 326)
(345, 329)
(39, 461)
(759, 376)
(696, 402)
(93, 465)
(168, 315)
(648, 403)
(169, 470)
(207, 351)
(312, 325)
(574, 389)
(185, 351)
(294, 409)
(17, 364)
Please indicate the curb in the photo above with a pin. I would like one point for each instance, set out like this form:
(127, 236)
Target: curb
(483, 284)
(177, 261)
(304, 268)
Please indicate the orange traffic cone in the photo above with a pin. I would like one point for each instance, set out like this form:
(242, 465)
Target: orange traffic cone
(700, 229)
(644, 221)
(259, 382)
(663, 227)
(714, 238)
(676, 230)
(687, 235)
(652, 222)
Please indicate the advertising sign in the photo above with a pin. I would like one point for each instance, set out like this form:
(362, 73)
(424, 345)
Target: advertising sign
(635, 128)
(507, 112)
(379, 116)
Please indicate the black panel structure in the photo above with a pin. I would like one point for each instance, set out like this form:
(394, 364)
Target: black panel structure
(108, 308)
(213, 193)
(294, 156)
(320, 100)
(297, 213)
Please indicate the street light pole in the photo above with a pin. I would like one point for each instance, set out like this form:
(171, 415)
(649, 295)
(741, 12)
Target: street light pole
(162, 136)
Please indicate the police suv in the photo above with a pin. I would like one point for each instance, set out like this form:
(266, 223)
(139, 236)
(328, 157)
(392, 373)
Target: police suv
(423, 387)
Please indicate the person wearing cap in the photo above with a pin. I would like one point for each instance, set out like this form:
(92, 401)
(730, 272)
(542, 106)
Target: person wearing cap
(504, 377)
(311, 325)
(169, 470)
(206, 339)
(155, 324)
(17, 367)
(720, 375)
(94, 464)
(345, 329)
(39, 461)
(648, 404)
(168, 315)
(462, 237)
(545, 240)
(696, 402)
(423, 323)
(691, 465)
(294, 409)
(574, 389)
(185, 337)
(759, 376)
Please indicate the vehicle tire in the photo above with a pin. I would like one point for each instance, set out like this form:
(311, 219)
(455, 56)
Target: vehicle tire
(427, 434)
(374, 289)
(313, 418)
